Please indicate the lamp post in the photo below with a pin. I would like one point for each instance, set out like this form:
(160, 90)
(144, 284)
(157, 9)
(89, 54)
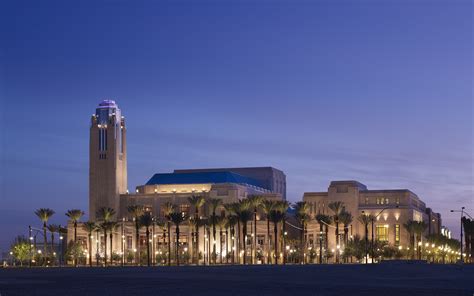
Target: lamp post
(462, 214)
(31, 245)
(123, 242)
(61, 250)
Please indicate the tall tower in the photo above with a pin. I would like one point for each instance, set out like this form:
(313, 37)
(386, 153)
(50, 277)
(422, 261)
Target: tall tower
(108, 158)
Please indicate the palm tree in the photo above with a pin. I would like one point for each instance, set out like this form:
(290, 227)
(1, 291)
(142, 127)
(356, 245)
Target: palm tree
(214, 203)
(231, 222)
(221, 222)
(411, 229)
(112, 225)
(346, 219)
(75, 215)
(256, 201)
(302, 209)
(52, 229)
(324, 221)
(267, 207)
(90, 227)
(177, 218)
(283, 206)
(44, 214)
(136, 211)
(105, 214)
(420, 228)
(244, 214)
(366, 220)
(167, 210)
(276, 216)
(337, 207)
(197, 202)
(146, 220)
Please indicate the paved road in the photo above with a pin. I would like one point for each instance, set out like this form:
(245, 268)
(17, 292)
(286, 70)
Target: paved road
(325, 280)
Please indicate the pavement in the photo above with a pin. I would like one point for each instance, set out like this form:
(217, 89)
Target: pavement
(324, 280)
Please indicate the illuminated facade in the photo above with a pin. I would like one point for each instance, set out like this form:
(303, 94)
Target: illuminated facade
(392, 209)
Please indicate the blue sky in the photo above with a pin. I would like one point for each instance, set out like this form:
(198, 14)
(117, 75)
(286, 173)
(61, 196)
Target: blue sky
(377, 91)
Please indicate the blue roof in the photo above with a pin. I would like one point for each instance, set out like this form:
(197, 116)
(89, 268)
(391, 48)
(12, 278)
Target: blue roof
(202, 178)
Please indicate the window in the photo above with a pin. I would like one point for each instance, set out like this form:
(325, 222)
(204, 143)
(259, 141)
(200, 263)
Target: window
(184, 208)
(129, 242)
(381, 232)
(366, 200)
(387, 201)
(397, 200)
(397, 234)
(261, 240)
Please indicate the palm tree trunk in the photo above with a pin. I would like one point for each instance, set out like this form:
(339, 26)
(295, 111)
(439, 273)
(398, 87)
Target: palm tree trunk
(45, 247)
(337, 241)
(196, 252)
(105, 248)
(169, 243)
(320, 243)
(269, 257)
(244, 234)
(237, 243)
(220, 243)
(137, 241)
(111, 247)
(227, 245)
(302, 243)
(90, 249)
(232, 234)
(52, 247)
(148, 246)
(214, 251)
(275, 233)
(177, 245)
(254, 250)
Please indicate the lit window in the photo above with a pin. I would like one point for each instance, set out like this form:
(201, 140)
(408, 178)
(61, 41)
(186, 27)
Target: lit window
(366, 200)
(381, 232)
(397, 234)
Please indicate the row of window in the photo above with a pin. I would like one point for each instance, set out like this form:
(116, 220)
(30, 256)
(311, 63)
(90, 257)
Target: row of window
(382, 233)
(382, 200)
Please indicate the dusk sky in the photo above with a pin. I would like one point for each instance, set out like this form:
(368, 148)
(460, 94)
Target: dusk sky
(374, 91)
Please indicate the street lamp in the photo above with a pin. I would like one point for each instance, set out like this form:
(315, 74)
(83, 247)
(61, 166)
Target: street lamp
(462, 214)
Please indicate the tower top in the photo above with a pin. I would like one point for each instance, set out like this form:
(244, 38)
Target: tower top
(108, 104)
(106, 111)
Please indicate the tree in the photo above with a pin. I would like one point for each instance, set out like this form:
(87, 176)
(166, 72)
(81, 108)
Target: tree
(282, 206)
(356, 247)
(324, 221)
(244, 214)
(214, 203)
(255, 201)
(136, 211)
(44, 214)
(419, 229)
(146, 220)
(267, 207)
(89, 227)
(21, 249)
(346, 219)
(276, 216)
(177, 218)
(410, 227)
(52, 229)
(167, 210)
(365, 220)
(221, 222)
(75, 215)
(105, 214)
(231, 222)
(302, 215)
(197, 202)
(112, 225)
(337, 207)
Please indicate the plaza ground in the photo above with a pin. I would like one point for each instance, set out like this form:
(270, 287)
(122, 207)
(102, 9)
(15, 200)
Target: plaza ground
(380, 279)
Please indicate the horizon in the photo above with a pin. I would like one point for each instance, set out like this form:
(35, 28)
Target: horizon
(377, 93)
